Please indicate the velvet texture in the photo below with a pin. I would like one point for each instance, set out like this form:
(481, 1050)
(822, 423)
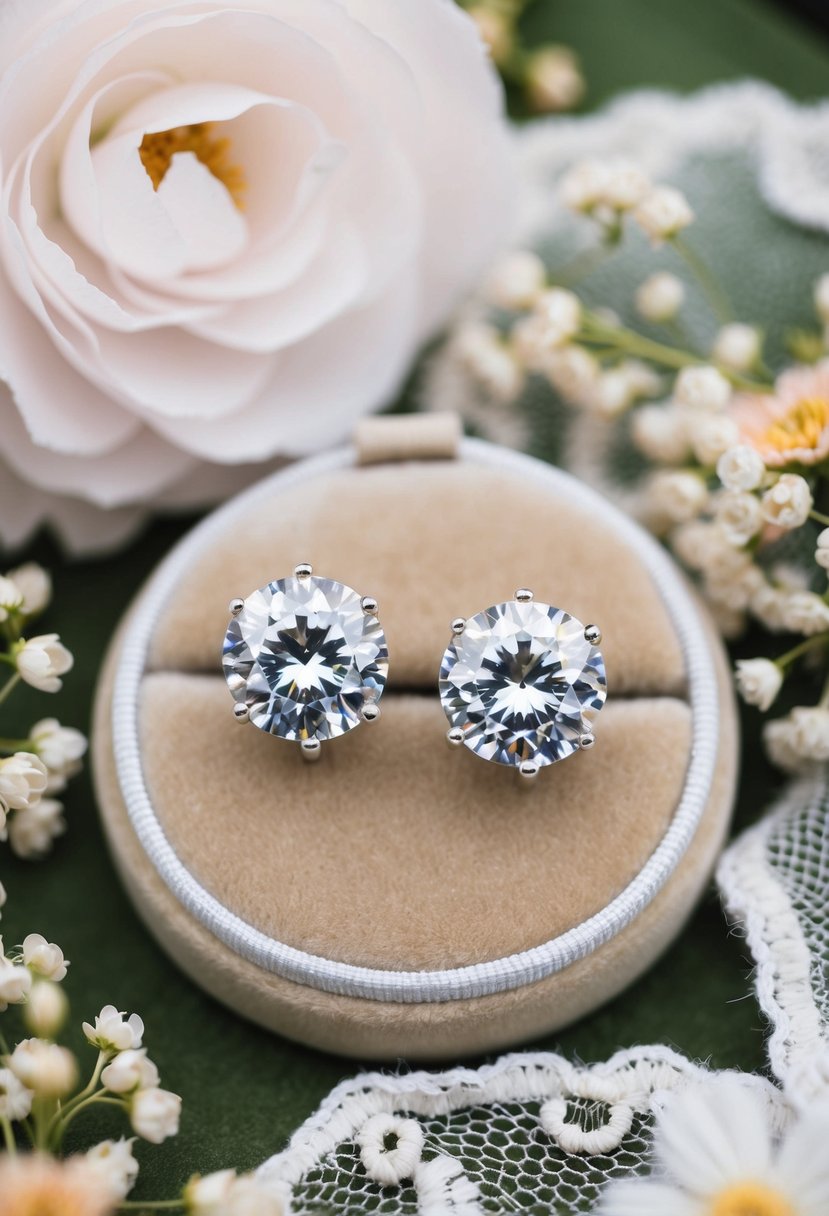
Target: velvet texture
(395, 852)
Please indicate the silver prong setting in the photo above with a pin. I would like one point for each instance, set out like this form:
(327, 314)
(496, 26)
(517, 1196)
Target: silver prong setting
(369, 605)
(370, 711)
(592, 634)
(241, 712)
(458, 626)
(454, 737)
(311, 750)
(235, 606)
(524, 595)
(528, 770)
(587, 741)
(303, 570)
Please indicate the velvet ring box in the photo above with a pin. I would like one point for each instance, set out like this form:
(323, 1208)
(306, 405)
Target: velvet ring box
(402, 898)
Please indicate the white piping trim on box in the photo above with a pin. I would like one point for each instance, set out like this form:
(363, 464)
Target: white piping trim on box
(458, 983)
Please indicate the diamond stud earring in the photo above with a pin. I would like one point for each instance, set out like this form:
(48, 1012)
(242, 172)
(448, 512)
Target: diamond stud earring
(521, 684)
(305, 659)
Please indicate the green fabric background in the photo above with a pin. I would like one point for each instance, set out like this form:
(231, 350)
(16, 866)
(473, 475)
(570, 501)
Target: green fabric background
(245, 1091)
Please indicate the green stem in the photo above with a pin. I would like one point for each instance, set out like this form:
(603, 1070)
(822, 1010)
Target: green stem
(153, 1205)
(9, 687)
(784, 660)
(16, 745)
(65, 1119)
(8, 1136)
(818, 518)
(824, 696)
(709, 283)
(584, 263)
(81, 1096)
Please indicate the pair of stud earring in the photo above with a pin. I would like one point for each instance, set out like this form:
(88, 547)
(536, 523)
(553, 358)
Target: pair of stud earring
(306, 659)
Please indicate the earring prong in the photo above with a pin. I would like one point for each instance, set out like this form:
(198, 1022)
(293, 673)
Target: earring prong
(303, 570)
(370, 711)
(524, 595)
(241, 712)
(458, 626)
(528, 770)
(592, 634)
(311, 750)
(587, 741)
(235, 606)
(369, 605)
(454, 737)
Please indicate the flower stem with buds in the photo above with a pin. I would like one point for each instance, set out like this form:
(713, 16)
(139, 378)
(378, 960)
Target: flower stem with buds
(710, 285)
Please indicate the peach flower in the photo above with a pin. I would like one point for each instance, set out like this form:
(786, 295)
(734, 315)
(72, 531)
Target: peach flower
(40, 1186)
(791, 425)
(226, 227)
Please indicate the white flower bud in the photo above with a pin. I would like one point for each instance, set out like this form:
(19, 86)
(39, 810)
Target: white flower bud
(559, 311)
(612, 393)
(15, 984)
(46, 1010)
(758, 681)
(516, 281)
(573, 372)
(32, 831)
(130, 1070)
(583, 185)
(741, 468)
(768, 606)
(811, 733)
(737, 346)
(553, 79)
(11, 597)
(678, 495)
(35, 586)
(692, 542)
(42, 660)
(663, 213)
(822, 298)
(115, 1165)
(739, 516)
(60, 748)
(789, 501)
(23, 779)
(485, 355)
(44, 958)
(660, 297)
(711, 436)
(779, 739)
(661, 434)
(625, 186)
(822, 551)
(15, 1098)
(208, 1195)
(702, 388)
(804, 612)
(113, 1031)
(495, 29)
(46, 1068)
(154, 1114)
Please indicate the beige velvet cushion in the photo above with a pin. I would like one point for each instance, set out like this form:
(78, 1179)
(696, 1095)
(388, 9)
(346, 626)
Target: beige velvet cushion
(395, 852)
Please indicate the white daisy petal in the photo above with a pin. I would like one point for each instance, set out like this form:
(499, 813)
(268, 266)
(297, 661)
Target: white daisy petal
(713, 1136)
(802, 1167)
(641, 1197)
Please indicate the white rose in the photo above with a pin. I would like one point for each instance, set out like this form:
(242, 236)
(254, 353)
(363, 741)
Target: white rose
(15, 984)
(789, 501)
(15, 1098)
(804, 612)
(660, 297)
(114, 1163)
(23, 779)
(822, 298)
(49, 1070)
(42, 660)
(32, 831)
(260, 212)
(711, 435)
(35, 586)
(758, 681)
(516, 281)
(660, 432)
(46, 1009)
(737, 346)
(60, 748)
(44, 958)
(677, 494)
(702, 388)
(739, 516)
(114, 1031)
(741, 468)
(130, 1070)
(155, 1114)
(663, 213)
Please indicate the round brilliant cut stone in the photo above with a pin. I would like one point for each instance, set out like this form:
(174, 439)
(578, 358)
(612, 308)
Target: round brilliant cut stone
(522, 682)
(304, 657)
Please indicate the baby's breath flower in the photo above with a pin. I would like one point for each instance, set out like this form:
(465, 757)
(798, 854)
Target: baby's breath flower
(822, 551)
(516, 281)
(23, 779)
(737, 346)
(663, 213)
(48, 1069)
(11, 598)
(46, 1010)
(15, 1098)
(612, 393)
(60, 748)
(679, 495)
(130, 1070)
(811, 733)
(739, 516)
(730, 622)
(779, 739)
(15, 984)
(768, 605)
(741, 468)
(573, 372)
(44, 958)
(758, 681)
(583, 185)
(227, 1194)
(483, 352)
(789, 501)
(702, 388)
(42, 660)
(114, 1031)
(692, 541)
(35, 585)
(804, 612)
(660, 297)
(822, 298)
(660, 433)
(711, 435)
(734, 586)
(115, 1165)
(559, 311)
(625, 186)
(553, 79)
(32, 831)
(154, 1114)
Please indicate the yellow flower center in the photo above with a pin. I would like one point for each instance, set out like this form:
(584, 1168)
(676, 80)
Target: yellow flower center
(802, 427)
(751, 1199)
(158, 149)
